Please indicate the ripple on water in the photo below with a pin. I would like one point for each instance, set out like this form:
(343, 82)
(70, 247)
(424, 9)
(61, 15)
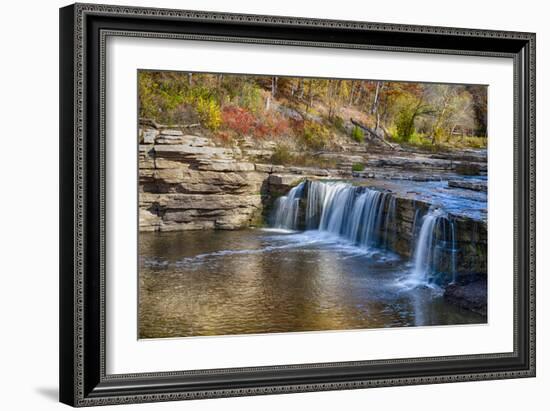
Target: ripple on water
(260, 281)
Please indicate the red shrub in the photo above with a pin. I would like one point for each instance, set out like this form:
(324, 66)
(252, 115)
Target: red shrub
(224, 136)
(271, 125)
(243, 122)
(237, 119)
(260, 130)
(281, 126)
(297, 126)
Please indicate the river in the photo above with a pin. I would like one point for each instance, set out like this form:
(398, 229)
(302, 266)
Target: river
(272, 281)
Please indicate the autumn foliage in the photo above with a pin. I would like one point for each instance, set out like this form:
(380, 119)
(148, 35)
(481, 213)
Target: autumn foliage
(314, 113)
(242, 122)
(238, 119)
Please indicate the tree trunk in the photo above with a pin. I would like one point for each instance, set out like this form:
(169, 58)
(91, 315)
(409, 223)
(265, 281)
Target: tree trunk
(352, 89)
(310, 96)
(273, 86)
(360, 93)
(373, 133)
(301, 88)
(374, 106)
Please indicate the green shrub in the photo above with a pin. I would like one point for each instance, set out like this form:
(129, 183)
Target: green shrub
(339, 124)
(357, 134)
(404, 124)
(250, 97)
(315, 136)
(472, 142)
(358, 167)
(282, 155)
(158, 98)
(195, 93)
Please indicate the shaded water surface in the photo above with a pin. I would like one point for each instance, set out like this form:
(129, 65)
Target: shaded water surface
(264, 281)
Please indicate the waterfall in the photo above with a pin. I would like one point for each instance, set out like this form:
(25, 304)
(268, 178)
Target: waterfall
(367, 218)
(360, 215)
(414, 229)
(287, 208)
(435, 242)
(389, 223)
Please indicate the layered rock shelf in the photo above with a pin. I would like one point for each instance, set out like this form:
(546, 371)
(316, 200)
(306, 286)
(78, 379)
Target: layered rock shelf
(187, 183)
(470, 235)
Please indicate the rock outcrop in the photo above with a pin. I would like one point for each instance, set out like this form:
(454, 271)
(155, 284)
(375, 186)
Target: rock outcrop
(470, 296)
(471, 239)
(462, 261)
(468, 185)
(187, 183)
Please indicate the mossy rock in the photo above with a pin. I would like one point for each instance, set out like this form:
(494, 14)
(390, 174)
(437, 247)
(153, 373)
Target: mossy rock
(468, 169)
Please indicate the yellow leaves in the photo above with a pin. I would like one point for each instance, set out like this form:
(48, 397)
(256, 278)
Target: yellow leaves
(209, 112)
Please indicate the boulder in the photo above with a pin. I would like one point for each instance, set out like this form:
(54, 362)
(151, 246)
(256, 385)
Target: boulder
(148, 136)
(468, 185)
(146, 156)
(148, 221)
(471, 296)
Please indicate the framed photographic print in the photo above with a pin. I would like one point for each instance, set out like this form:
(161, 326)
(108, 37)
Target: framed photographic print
(260, 205)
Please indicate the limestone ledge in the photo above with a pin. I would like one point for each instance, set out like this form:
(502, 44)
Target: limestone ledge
(189, 183)
(168, 212)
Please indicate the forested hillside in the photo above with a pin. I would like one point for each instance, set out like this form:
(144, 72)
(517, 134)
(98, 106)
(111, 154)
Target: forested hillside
(314, 113)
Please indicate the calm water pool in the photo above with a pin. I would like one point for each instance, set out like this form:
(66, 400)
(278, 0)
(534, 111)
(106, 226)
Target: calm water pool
(266, 281)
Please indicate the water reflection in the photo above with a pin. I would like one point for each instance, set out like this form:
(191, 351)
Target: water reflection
(256, 281)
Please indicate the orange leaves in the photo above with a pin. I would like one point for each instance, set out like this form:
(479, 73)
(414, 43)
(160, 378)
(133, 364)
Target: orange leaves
(238, 119)
(242, 122)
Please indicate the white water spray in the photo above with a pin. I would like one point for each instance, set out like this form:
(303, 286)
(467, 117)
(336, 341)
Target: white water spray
(435, 241)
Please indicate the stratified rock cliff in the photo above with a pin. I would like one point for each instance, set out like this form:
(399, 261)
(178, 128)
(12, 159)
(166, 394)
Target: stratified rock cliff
(187, 183)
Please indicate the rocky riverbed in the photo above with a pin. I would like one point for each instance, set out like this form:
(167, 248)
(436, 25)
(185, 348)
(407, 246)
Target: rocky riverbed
(189, 183)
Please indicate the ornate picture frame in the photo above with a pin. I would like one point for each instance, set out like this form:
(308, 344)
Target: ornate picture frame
(84, 29)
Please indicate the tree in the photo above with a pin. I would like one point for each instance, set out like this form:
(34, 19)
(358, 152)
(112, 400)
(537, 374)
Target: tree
(411, 103)
(376, 100)
(478, 94)
(273, 86)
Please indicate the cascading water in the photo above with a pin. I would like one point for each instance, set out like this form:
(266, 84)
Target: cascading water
(436, 240)
(358, 214)
(363, 216)
(287, 208)
(389, 222)
(367, 218)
